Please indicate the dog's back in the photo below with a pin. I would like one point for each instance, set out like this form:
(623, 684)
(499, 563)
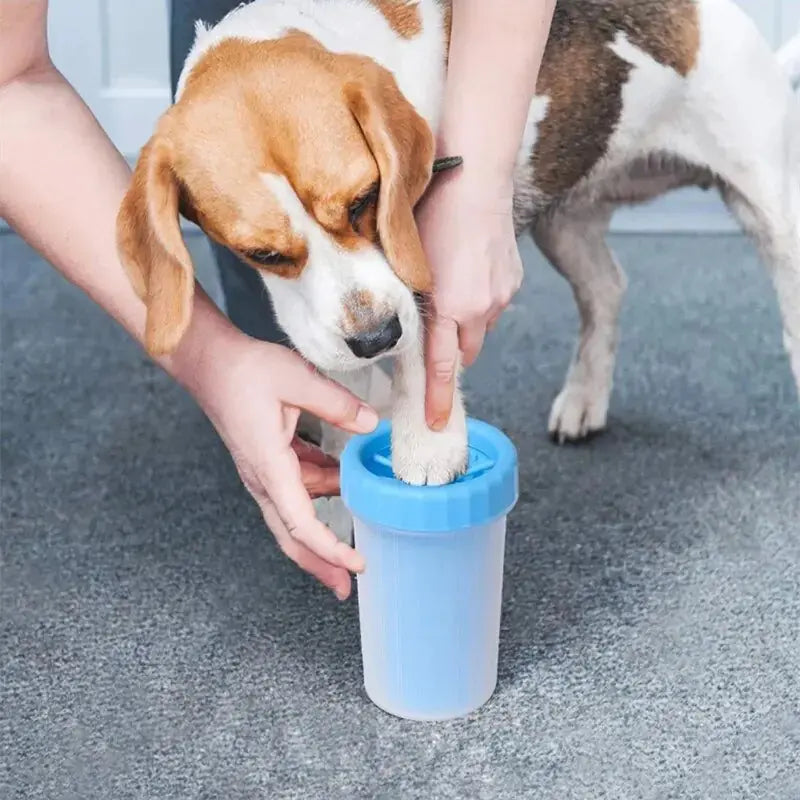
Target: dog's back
(627, 91)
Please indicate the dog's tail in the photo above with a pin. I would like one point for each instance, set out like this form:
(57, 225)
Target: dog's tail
(789, 58)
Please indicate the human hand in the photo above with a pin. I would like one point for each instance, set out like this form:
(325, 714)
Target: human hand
(468, 236)
(254, 394)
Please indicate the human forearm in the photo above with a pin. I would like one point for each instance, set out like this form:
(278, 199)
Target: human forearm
(495, 52)
(465, 220)
(61, 184)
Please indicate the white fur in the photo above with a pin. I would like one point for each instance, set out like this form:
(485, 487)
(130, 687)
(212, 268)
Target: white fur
(789, 59)
(373, 386)
(419, 455)
(536, 114)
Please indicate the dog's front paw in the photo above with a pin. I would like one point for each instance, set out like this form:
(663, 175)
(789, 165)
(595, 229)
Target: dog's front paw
(422, 457)
(577, 413)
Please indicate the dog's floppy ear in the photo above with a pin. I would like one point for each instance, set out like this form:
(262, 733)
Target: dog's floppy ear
(403, 146)
(152, 249)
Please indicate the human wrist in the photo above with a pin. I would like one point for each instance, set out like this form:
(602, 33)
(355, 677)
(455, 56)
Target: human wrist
(485, 161)
(210, 345)
(488, 161)
(474, 191)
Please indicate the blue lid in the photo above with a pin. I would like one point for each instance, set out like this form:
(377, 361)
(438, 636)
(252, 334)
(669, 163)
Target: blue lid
(487, 490)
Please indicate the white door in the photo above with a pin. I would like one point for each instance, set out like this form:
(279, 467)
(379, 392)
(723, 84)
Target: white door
(115, 52)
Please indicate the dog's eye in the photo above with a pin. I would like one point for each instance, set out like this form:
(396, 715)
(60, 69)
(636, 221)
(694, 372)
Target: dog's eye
(268, 258)
(361, 204)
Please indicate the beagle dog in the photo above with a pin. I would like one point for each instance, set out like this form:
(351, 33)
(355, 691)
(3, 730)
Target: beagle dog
(303, 135)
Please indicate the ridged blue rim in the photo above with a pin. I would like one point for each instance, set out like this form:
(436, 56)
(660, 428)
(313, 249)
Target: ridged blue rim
(488, 490)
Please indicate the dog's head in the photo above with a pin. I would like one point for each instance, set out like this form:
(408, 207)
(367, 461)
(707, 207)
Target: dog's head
(306, 164)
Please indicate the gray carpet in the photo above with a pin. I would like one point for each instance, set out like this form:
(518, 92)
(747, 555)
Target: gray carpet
(155, 644)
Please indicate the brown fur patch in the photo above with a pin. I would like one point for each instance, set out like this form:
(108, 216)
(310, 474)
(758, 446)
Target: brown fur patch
(583, 77)
(403, 17)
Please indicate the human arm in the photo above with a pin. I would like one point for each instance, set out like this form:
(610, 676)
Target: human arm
(465, 220)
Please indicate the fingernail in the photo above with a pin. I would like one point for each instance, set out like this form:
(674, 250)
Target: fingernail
(439, 424)
(366, 418)
(341, 594)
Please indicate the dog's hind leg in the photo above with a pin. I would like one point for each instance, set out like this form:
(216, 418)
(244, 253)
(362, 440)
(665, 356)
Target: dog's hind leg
(743, 122)
(575, 244)
(772, 218)
(758, 165)
(765, 198)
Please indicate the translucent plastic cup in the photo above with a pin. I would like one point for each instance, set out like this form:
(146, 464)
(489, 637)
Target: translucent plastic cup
(429, 599)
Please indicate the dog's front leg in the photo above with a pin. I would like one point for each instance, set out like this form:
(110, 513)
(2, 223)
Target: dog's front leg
(419, 455)
(373, 386)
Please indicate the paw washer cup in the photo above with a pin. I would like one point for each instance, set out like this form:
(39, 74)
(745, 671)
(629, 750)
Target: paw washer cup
(429, 599)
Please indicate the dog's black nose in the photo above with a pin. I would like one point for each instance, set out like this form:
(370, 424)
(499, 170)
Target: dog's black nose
(379, 339)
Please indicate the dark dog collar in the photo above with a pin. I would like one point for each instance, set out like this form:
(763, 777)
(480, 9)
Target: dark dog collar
(448, 162)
